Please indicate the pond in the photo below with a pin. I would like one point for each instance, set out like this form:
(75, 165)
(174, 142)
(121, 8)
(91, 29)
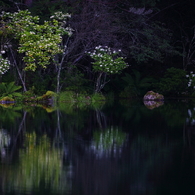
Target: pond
(126, 147)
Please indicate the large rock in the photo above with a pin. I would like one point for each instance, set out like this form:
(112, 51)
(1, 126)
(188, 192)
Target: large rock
(153, 100)
(151, 95)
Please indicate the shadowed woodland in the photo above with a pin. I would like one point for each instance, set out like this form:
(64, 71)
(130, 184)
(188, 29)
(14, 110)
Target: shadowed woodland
(136, 45)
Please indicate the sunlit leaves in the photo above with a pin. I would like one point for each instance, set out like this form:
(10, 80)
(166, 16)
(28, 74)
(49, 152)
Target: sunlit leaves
(9, 89)
(38, 42)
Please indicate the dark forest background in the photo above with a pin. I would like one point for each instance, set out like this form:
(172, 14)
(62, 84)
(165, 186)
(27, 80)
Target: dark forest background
(156, 37)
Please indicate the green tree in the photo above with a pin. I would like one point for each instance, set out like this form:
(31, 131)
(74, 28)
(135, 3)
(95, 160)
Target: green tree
(174, 82)
(40, 44)
(106, 62)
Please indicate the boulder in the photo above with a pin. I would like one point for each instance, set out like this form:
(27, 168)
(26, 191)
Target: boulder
(151, 95)
(153, 100)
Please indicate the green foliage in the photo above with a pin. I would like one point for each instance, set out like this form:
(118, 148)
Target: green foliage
(97, 97)
(28, 96)
(135, 84)
(173, 83)
(9, 114)
(97, 100)
(46, 8)
(39, 42)
(107, 60)
(67, 108)
(134, 111)
(67, 96)
(174, 113)
(9, 89)
(74, 80)
(49, 95)
(154, 44)
(73, 100)
(41, 82)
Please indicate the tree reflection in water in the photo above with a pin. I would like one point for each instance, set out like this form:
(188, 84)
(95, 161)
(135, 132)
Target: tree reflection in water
(108, 141)
(86, 152)
(38, 163)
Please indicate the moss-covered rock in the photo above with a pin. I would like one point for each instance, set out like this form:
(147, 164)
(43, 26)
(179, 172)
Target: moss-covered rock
(6, 99)
(48, 96)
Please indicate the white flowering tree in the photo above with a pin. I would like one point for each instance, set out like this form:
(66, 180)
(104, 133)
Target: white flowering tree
(106, 62)
(4, 65)
(39, 43)
(191, 82)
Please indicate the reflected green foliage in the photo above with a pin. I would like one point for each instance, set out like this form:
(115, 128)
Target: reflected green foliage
(149, 156)
(68, 100)
(9, 114)
(41, 156)
(108, 138)
(134, 110)
(48, 108)
(174, 113)
(68, 108)
(97, 100)
(73, 118)
(39, 163)
(5, 139)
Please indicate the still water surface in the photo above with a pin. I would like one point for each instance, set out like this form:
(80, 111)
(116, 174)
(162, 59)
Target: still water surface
(119, 149)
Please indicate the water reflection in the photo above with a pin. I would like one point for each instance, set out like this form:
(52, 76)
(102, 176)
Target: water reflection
(108, 141)
(121, 149)
(38, 163)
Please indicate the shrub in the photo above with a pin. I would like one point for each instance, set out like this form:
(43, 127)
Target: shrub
(174, 82)
(97, 97)
(67, 96)
(9, 90)
(135, 84)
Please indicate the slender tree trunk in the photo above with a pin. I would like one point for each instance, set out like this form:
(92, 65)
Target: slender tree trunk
(58, 78)
(100, 82)
(19, 73)
(59, 67)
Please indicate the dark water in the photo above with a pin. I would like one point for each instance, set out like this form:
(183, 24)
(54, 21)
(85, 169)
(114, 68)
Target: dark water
(119, 149)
